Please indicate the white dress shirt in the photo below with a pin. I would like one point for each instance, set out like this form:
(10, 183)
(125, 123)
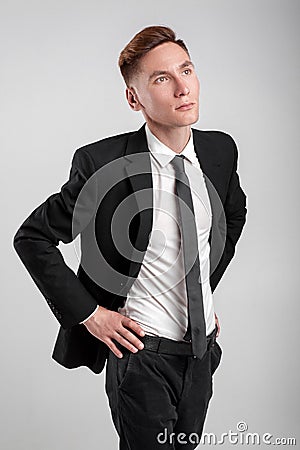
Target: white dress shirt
(157, 300)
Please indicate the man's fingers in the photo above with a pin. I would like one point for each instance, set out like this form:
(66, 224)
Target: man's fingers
(114, 348)
(131, 341)
(112, 325)
(129, 323)
(218, 329)
(218, 325)
(126, 343)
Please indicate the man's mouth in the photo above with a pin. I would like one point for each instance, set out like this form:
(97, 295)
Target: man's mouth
(185, 106)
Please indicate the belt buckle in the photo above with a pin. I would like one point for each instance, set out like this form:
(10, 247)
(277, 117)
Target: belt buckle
(188, 346)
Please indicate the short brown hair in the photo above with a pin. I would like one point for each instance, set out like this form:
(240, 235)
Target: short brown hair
(142, 43)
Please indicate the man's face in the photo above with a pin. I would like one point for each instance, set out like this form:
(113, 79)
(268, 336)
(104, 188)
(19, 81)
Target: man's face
(166, 87)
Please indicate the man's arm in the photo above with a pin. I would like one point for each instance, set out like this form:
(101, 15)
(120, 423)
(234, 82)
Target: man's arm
(36, 243)
(235, 212)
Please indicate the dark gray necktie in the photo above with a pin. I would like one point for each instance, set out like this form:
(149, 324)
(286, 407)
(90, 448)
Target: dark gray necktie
(196, 330)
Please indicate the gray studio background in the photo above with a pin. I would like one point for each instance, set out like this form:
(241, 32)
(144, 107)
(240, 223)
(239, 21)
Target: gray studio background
(60, 89)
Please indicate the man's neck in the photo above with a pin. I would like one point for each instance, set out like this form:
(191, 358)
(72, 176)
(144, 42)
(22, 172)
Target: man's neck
(174, 138)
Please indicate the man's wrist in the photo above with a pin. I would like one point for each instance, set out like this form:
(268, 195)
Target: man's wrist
(91, 315)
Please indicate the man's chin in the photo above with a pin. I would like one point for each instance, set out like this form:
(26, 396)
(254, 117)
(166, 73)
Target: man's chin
(189, 121)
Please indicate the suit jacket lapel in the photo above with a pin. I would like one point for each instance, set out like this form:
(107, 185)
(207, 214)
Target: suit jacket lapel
(138, 169)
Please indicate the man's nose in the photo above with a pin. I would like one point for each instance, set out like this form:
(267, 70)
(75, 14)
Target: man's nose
(181, 88)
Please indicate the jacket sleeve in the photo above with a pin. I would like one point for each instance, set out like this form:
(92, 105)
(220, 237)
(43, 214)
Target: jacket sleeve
(36, 244)
(235, 213)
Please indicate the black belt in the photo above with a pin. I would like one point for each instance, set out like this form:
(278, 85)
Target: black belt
(166, 345)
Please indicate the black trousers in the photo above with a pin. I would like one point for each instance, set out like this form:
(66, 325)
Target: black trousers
(159, 400)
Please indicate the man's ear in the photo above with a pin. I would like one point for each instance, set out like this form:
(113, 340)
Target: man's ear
(132, 99)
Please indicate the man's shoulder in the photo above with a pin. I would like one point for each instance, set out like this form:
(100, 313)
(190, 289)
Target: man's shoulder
(217, 144)
(213, 136)
(105, 149)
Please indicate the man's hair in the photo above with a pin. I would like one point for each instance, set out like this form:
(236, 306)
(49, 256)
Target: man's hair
(142, 43)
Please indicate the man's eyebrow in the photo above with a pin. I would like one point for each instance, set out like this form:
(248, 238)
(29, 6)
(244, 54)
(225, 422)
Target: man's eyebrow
(186, 64)
(158, 73)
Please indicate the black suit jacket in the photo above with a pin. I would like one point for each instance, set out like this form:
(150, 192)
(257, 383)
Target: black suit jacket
(72, 297)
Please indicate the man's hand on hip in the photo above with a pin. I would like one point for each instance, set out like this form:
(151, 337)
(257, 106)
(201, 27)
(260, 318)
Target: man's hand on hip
(107, 325)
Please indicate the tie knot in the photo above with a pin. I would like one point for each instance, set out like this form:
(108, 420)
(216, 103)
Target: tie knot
(177, 162)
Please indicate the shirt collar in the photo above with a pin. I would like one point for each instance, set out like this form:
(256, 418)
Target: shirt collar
(164, 154)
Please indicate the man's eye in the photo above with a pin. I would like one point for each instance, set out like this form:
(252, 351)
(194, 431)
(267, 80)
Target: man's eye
(160, 79)
(187, 71)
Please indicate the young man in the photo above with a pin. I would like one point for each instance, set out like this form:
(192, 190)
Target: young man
(152, 248)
